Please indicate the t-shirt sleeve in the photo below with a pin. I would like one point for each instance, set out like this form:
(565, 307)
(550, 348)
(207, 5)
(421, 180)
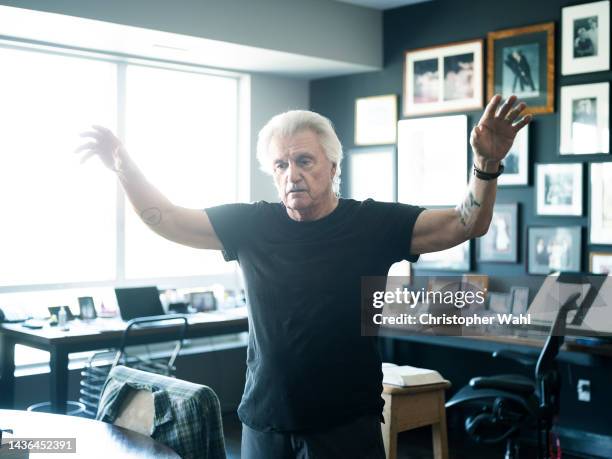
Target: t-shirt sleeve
(230, 222)
(397, 224)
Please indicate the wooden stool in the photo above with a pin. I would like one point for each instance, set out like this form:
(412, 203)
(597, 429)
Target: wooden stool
(411, 407)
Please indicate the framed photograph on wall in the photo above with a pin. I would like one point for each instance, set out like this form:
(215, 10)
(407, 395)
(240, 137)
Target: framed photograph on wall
(376, 120)
(585, 43)
(600, 263)
(600, 212)
(559, 189)
(516, 162)
(372, 173)
(501, 241)
(552, 249)
(585, 112)
(454, 259)
(444, 78)
(432, 168)
(521, 61)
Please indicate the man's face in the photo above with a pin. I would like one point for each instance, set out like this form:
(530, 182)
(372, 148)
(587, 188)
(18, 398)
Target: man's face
(302, 172)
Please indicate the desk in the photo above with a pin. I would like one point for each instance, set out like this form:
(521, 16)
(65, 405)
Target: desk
(570, 352)
(94, 335)
(94, 439)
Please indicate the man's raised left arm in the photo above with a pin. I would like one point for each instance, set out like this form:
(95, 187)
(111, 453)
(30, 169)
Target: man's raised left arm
(491, 139)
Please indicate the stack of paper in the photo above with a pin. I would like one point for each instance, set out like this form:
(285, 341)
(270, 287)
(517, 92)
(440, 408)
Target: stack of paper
(409, 376)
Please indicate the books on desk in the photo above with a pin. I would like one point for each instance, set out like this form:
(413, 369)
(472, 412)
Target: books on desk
(406, 375)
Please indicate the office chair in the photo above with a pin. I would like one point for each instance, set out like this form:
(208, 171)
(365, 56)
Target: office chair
(131, 337)
(508, 404)
(100, 364)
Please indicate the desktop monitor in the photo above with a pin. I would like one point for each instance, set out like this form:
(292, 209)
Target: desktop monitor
(138, 302)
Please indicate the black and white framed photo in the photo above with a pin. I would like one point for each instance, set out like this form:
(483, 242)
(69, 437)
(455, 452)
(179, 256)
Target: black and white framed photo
(600, 263)
(600, 212)
(559, 189)
(376, 120)
(203, 301)
(520, 299)
(444, 78)
(87, 308)
(521, 61)
(372, 173)
(516, 162)
(586, 38)
(500, 242)
(432, 160)
(454, 259)
(553, 249)
(585, 113)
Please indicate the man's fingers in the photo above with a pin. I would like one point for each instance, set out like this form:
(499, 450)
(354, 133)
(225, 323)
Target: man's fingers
(505, 108)
(87, 156)
(101, 129)
(94, 134)
(515, 112)
(86, 146)
(522, 123)
(491, 108)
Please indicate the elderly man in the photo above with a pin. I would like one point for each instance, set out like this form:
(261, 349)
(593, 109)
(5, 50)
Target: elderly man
(313, 382)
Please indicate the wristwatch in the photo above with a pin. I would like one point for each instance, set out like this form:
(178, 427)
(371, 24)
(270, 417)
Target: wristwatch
(482, 175)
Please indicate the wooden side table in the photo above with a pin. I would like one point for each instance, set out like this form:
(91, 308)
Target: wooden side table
(412, 407)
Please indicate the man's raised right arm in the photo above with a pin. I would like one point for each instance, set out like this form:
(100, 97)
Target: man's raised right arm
(189, 227)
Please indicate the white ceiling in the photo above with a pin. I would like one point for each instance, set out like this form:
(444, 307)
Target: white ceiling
(383, 4)
(93, 35)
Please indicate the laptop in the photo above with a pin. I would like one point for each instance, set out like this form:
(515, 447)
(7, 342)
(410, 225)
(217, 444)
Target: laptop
(138, 302)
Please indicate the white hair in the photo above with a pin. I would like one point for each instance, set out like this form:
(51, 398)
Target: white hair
(292, 122)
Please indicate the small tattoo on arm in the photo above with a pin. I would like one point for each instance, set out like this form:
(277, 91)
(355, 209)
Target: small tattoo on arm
(151, 216)
(466, 207)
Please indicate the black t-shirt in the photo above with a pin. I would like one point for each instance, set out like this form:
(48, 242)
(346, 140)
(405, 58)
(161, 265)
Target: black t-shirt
(308, 367)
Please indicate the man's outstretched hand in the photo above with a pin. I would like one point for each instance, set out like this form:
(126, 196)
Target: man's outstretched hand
(494, 134)
(105, 145)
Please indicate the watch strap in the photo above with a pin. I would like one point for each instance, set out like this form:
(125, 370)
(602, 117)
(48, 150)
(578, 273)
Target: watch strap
(482, 175)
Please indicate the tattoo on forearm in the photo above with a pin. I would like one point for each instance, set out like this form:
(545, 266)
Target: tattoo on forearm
(466, 207)
(151, 216)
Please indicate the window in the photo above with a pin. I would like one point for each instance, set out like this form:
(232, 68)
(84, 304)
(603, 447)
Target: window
(64, 222)
(58, 221)
(185, 141)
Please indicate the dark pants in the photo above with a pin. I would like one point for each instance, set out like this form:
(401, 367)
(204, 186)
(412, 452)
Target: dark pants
(358, 439)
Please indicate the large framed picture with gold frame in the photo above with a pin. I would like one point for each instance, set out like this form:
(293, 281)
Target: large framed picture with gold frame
(521, 61)
(444, 78)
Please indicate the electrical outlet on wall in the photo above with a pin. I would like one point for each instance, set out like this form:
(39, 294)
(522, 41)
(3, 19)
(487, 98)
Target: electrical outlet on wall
(584, 390)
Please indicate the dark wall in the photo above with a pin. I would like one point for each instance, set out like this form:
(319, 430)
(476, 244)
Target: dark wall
(446, 21)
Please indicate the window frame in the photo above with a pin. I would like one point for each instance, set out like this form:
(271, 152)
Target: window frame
(230, 279)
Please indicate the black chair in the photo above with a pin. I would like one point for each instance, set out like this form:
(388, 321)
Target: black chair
(161, 366)
(100, 364)
(506, 405)
(95, 373)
